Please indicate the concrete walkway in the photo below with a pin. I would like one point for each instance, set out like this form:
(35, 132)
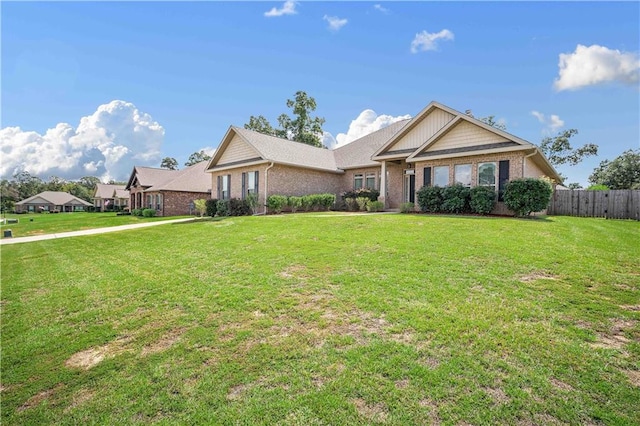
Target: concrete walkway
(18, 240)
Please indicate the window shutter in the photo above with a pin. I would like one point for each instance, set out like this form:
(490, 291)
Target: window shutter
(257, 185)
(219, 188)
(229, 185)
(427, 176)
(503, 177)
(244, 185)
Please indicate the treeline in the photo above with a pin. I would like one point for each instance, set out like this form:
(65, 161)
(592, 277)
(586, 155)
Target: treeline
(24, 185)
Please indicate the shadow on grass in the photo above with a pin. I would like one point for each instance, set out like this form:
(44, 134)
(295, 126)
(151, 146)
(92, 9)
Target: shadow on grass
(199, 220)
(488, 217)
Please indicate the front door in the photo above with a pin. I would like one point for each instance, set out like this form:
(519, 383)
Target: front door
(409, 192)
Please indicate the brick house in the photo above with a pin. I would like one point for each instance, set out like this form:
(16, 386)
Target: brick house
(106, 195)
(439, 146)
(52, 201)
(169, 192)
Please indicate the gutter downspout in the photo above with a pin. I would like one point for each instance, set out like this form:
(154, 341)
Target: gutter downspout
(266, 185)
(524, 161)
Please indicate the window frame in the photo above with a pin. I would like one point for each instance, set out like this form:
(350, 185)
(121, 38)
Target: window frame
(455, 174)
(252, 189)
(370, 175)
(435, 180)
(495, 174)
(225, 190)
(358, 177)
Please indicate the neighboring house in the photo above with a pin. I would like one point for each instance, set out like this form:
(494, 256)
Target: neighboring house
(49, 201)
(110, 195)
(169, 192)
(439, 146)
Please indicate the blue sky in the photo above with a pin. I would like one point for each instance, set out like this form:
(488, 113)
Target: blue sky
(192, 69)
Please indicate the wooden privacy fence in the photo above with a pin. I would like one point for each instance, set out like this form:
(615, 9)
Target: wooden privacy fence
(618, 204)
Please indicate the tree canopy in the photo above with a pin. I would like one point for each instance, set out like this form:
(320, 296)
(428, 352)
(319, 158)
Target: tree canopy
(169, 163)
(558, 149)
(621, 173)
(302, 128)
(490, 120)
(197, 157)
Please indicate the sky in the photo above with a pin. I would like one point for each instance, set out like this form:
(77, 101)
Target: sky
(92, 88)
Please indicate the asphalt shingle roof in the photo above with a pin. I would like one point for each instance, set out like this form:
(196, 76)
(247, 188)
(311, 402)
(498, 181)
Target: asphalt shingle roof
(104, 190)
(359, 152)
(191, 179)
(56, 198)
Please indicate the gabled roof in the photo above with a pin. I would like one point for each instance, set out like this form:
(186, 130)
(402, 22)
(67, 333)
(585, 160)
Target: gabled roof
(358, 153)
(191, 179)
(104, 190)
(56, 198)
(121, 193)
(150, 176)
(278, 150)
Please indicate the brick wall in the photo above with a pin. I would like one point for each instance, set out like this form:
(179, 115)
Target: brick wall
(176, 203)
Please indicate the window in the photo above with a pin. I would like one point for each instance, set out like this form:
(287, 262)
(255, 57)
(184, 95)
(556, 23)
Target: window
(149, 201)
(357, 181)
(487, 174)
(462, 174)
(249, 183)
(370, 181)
(225, 187)
(441, 176)
(158, 201)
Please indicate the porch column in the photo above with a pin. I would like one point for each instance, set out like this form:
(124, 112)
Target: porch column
(383, 184)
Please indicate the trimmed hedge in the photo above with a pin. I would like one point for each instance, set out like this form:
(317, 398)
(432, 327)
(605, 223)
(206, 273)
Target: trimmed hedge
(148, 212)
(527, 195)
(456, 199)
(212, 207)
(483, 199)
(430, 198)
(275, 203)
(371, 194)
(234, 207)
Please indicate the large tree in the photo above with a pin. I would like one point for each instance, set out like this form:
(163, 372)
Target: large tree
(621, 173)
(89, 182)
(27, 184)
(301, 128)
(169, 163)
(558, 149)
(197, 157)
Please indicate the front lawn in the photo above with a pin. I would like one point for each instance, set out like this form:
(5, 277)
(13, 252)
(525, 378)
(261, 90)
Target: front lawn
(49, 223)
(310, 320)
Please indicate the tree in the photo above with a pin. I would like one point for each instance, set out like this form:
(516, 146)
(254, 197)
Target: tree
(55, 184)
(27, 185)
(490, 120)
(201, 206)
(302, 128)
(621, 173)
(558, 149)
(169, 163)
(8, 195)
(89, 182)
(197, 157)
(574, 185)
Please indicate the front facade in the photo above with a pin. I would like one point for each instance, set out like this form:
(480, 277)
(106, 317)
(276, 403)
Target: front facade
(52, 202)
(438, 147)
(110, 197)
(168, 192)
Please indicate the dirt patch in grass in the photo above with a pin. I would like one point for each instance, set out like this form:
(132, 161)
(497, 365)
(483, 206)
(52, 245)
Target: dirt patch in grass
(80, 397)
(402, 384)
(558, 384)
(634, 308)
(91, 357)
(165, 342)
(537, 275)
(294, 271)
(633, 376)
(615, 339)
(497, 395)
(375, 413)
(39, 397)
(433, 410)
(236, 392)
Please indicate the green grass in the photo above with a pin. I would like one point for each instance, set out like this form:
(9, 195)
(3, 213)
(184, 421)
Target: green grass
(48, 223)
(301, 319)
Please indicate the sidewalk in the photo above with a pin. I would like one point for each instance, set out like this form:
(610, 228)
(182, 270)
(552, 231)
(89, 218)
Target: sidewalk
(18, 240)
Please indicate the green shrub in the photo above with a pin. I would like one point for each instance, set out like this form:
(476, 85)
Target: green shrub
(407, 207)
(430, 199)
(239, 207)
(456, 199)
(528, 195)
(326, 201)
(212, 207)
(362, 203)
(371, 194)
(276, 203)
(294, 203)
(483, 199)
(148, 212)
(352, 205)
(222, 208)
(252, 202)
(598, 188)
(137, 212)
(375, 206)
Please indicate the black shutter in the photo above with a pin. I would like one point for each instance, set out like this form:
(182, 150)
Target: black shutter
(219, 188)
(427, 176)
(229, 186)
(412, 188)
(244, 185)
(503, 177)
(257, 185)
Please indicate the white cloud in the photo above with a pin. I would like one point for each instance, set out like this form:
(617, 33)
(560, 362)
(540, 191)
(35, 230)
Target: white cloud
(428, 41)
(106, 144)
(595, 64)
(380, 8)
(367, 122)
(288, 8)
(335, 23)
(552, 123)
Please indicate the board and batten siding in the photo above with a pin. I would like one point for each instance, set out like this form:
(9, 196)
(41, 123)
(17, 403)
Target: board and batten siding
(428, 127)
(237, 150)
(466, 134)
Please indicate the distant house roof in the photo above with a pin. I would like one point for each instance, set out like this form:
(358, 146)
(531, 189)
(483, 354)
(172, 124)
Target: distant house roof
(56, 198)
(190, 179)
(104, 190)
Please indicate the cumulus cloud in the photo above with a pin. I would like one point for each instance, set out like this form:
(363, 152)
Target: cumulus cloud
(107, 144)
(380, 8)
(335, 23)
(367, 122)
(552, 123)
(288, 8)
(425, 41)
(595, 64)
